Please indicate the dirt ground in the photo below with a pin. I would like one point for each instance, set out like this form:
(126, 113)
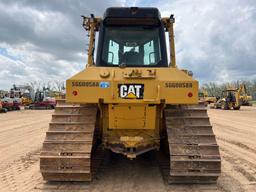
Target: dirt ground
(22, 132)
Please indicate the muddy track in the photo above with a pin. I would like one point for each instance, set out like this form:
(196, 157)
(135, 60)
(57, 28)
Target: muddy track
(22, 134)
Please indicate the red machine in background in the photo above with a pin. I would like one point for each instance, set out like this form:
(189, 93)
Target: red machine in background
(43, 100)
(2, 110)
(11, 101)
(11, 104)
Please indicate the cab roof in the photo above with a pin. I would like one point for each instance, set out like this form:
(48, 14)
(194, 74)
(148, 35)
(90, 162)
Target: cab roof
(132, 15)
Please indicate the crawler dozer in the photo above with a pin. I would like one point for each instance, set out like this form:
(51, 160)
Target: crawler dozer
(130, 100)
(204, 97)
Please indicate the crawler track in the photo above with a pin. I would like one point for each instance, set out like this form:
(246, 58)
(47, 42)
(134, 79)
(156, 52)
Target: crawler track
(194, 153)
(68, 152)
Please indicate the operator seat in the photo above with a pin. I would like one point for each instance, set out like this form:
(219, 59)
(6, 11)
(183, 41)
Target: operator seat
(131, 58)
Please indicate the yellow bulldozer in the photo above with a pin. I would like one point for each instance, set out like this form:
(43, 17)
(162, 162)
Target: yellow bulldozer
(130, 101)
(204, 97)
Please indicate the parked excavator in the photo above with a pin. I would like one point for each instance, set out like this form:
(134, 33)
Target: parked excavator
(130, 101)
(43, 100)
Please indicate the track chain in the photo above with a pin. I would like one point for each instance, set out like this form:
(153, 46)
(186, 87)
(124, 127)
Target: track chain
(68, 152)
(194, 152)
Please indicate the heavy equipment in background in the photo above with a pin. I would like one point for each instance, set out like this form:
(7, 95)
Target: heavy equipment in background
(230, 99)
(233, 98)
(3, 93)
(31, 99)
(130, 101)
(26, 93)
(11, 100)
(204, 97)
(10, 103)
(58, 94)
(244, 97)
(43, 100)
(2, 109)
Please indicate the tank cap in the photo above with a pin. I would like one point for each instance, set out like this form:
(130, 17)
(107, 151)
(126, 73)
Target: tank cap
(104, 73)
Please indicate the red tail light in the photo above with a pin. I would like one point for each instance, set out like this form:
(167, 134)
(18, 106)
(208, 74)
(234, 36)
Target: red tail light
(190, 94)
(74, 93)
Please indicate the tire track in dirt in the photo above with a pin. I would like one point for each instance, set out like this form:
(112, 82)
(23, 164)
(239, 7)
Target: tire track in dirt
(8, 125)
(19, 136)
(235, 132)
(13, 177)
(20, 140)
(240, 165)
(236, 143)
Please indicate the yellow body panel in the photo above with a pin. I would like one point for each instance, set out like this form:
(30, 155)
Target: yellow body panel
(133, 121)
(26, 101)
(169, 84)
(136, 116)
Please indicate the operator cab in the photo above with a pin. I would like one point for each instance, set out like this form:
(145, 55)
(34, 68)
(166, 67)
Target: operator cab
(132, 37)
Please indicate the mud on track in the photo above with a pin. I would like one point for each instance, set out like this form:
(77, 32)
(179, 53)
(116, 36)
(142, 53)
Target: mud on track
(22, 132)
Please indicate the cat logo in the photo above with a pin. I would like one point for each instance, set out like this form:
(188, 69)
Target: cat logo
(131, 91)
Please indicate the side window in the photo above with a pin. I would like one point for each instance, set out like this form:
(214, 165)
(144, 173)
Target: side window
(149, 53)
(113, 53)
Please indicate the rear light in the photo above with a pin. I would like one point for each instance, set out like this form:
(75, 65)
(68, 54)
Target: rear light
(190, 94)
(74, 93)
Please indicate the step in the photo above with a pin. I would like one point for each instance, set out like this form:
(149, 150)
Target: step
(57, 175)
(194, 174)
(72, 126)
(53, 162)
(195, 165)
(73, 118)
(176, 138)
(69, 135)
(193, 150)
(62, 146)
(66, 171)
(66, 153)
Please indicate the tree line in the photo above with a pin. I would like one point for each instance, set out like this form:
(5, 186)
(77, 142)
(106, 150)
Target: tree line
(56, 85)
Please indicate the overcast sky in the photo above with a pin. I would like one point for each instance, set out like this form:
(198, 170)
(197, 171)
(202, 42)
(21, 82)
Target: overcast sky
(44, 40)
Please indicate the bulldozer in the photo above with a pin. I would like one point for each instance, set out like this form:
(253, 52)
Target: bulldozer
(204, 97)
(130, 100)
